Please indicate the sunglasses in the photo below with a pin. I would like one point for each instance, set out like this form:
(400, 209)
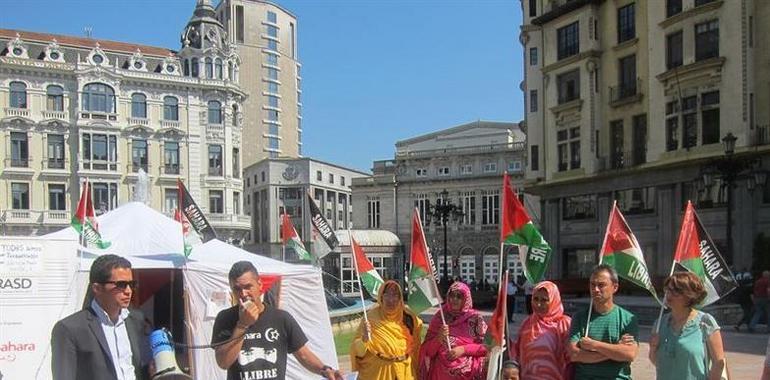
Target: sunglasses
(122, 284)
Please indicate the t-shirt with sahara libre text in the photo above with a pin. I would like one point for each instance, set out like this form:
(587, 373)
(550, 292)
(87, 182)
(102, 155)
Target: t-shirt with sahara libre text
(266, 343)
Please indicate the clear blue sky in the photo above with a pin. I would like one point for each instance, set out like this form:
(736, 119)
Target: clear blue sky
(374, 72)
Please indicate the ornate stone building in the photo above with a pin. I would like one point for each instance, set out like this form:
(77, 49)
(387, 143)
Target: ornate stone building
(631, 101)
(76, 108)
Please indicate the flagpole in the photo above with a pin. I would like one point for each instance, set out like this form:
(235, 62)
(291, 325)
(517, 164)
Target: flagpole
(283, 242)
(601, 256)
(504, 314)
(433, 276)
(360, 285)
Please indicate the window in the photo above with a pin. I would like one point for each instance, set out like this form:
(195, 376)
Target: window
(673, 7)
(534, 157)
(639, 139)
(209, 67)
(272, 101)
(514, 166)
(186, 68)
(239, 27)
(617, 144)
(236, 202)
(236, 163)
(331, 178)
(215, 160)
(18, 97)
(20, 195)
(422, 204)
(54, 98)
(274, 143)
(342, 180)
(55, 159)
(421, 172)
(319, 176)
(568, 41)
(532, 8)
(674, 50)
(490, 167)
(171, 157)
(138, 155)
(271, 17)
(579, 207)
(272, 45)
(100, 152)
(215, 112)
(490, 207)
(19, 150)
(626, 23)
(468, 207)
(271, 59)
(195, 67)
(57, 200)
(533, 56)
(218, 68)
(466, 169)
(272, 73)
(98, 97)
(569, 86)
(271, 87)
(636, 201)
(373, 214)
(689, 122)
(292, 41)
(170, 199)
(710, 118)
(702, 2)
(707, 40)
(272, 31)
(672, 126)
(627, 77)
(105, 195)
(443, 171)
(568, 148)
(139, 105)
(170, 108)
(216, 202)
(272, 115)
(532, 100)
(579, 263)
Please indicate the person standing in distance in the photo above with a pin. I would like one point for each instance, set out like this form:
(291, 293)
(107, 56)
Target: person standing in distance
(252, 340)
(104, 340)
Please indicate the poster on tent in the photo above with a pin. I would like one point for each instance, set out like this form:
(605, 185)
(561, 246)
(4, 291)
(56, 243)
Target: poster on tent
(37, 279)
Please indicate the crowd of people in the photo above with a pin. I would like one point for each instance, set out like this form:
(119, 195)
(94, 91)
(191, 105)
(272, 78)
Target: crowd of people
(101, 341)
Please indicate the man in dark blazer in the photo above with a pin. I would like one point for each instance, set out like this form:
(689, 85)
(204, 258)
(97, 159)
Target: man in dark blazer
(104, 340)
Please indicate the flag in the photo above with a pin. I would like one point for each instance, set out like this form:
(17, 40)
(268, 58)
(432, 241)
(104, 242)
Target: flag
(179, 217)
(500, 315)
(291, 238)
(84, 221)
(194, 214)
(370, 279)
(321, 225)
(517, 229)
(423, 292)
(622, 252)
(697, 253)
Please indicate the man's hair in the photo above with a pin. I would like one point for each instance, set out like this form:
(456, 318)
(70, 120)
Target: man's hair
(101, 269)
(606, 268)
(510, 364)
(240, 268)
(688, 285)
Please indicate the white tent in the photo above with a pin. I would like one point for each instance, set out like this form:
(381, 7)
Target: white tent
(151, 240)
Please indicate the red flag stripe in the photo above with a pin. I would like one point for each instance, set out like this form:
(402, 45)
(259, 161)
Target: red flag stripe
(514, 215)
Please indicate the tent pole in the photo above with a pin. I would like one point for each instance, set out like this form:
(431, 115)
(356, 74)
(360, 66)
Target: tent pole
(171, 303)
(188, 331)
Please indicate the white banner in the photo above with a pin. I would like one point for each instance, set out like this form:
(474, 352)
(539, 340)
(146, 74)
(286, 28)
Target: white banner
(37, 288)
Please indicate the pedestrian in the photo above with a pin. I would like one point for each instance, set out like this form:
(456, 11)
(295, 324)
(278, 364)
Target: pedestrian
(761, 304)
(689, 343)
(510, 370)
(252, 340)
(610, 346)
(511, 299)
(104, 340)
(528, 287)
(743, 297)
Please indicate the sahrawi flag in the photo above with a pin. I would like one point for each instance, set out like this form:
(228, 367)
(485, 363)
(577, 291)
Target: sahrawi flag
(84, 220)
(423, 292)
(366, 272)
(186, 233)
(517, 229)
(696, 252)
(622, 252)
(291, 238)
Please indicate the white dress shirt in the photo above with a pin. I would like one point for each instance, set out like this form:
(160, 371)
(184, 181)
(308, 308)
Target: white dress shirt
(117, 340)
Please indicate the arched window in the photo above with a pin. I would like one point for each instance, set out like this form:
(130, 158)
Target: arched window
(230, 72)
(170, 108)
(98, 97)
(235, 115)
(54, 98)
(138, 105)
(186, 67)
(215, 112)
(195, 67)
(18, 95)
(209, 68)
(219, 68)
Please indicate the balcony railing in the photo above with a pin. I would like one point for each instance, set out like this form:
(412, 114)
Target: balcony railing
(17, 162)
(762, 135)
(60, 115)
(624, 159)
(56, 217)
(111, 166)
(215, 172)
(143, 121)
(170, 169)
(625, 90)
(54, 163)
(20, 216)
(99, 115)
(229, 218)
(19, 112)
(169, 124)
(135, 166)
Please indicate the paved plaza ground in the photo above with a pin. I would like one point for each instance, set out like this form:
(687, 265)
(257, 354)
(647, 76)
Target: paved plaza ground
(745, 351)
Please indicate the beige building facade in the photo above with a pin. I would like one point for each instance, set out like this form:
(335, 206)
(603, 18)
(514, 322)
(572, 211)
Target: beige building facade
(78, 108)
(630, 101)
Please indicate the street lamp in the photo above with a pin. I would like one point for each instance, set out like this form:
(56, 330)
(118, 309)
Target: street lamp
(731, 168)
(441, 214)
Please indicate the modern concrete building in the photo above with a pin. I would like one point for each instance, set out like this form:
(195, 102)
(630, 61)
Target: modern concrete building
(76, 108)
(266, 37)
(467, 162)
(630, 101)
(275, 186)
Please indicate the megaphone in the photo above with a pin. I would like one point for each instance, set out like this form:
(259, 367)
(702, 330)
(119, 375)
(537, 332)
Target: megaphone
(165, 359)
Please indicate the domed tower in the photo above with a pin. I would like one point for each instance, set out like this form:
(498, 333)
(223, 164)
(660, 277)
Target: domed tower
(206, 51)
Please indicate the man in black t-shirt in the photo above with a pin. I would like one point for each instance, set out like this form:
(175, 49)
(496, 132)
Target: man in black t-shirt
(252, 340)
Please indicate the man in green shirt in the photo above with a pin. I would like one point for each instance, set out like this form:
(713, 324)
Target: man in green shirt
(608, 349)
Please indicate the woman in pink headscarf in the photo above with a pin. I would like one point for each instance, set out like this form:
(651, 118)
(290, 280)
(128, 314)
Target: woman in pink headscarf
(540, 347)
(465, 329)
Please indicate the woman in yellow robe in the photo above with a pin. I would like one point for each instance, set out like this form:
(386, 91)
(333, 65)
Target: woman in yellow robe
(388, 348)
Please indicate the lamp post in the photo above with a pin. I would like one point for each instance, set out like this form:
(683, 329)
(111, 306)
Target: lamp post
(730, 169)
(441, 214)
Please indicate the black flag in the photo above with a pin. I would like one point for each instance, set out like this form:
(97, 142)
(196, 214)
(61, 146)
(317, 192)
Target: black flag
(321, 224)
(194, 214)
